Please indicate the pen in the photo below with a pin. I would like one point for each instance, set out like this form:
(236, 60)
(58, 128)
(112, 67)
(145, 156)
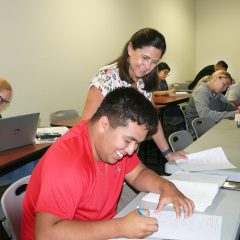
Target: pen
(141, 211)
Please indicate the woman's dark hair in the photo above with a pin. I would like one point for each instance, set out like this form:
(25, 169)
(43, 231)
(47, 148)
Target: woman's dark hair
(142, 38)
(163, 66)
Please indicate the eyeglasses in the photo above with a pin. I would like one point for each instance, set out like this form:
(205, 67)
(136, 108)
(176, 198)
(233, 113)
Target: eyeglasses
(2, 100)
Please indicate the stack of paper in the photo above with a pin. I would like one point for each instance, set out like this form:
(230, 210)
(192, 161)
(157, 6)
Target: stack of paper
(210, 159)
(197, 177)
(50, 131)
(179, 94)
(202, 194)
(197, 227)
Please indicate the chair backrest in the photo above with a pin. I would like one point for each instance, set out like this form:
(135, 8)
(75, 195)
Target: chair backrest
(183, 107)
(62, 115)
(12, 206)
(180, 140)
(202, 125)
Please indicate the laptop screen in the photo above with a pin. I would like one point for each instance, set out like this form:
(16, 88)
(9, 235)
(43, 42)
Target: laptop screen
(18, 131)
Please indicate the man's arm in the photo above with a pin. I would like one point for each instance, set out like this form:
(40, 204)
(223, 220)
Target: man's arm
(133, 225)
(146, 180)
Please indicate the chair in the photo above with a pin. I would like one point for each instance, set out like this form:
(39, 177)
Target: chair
(62, 115)
(180, 140)
(202, 125)
(12, 207)
(183, 108)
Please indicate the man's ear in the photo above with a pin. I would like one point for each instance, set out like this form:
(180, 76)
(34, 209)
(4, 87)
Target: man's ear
(130, 49)
(103, 124)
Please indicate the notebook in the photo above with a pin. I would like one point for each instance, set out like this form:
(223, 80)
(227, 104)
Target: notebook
(18, 131)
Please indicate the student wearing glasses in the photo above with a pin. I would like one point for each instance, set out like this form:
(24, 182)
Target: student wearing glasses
(6, 93)
(74, 189)
(207, 100)
(136, 68)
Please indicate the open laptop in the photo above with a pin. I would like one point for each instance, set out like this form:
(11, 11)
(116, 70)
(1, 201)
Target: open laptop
(18, 131)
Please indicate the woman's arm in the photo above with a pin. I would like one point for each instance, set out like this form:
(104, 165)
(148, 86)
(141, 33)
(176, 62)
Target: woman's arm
(93, 101)
(164, 92)
(163, 145)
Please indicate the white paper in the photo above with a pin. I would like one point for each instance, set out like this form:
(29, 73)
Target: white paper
(210, 159)
(197, 177)
(202, 194)
(179, 94)
(237, 117)
(52, 130)
(197, 227)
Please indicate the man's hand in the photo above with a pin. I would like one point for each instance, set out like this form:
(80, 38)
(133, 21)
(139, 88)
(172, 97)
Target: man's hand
(136, 226)
(170, 194)
(176, 155)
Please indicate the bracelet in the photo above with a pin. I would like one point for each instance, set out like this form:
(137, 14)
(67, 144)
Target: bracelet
(166, 152)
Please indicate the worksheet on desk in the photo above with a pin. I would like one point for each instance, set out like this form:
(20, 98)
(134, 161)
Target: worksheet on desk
(197, 227)
(211, 159)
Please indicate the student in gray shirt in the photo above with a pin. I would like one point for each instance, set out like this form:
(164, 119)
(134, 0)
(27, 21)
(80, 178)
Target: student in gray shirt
(207, 100)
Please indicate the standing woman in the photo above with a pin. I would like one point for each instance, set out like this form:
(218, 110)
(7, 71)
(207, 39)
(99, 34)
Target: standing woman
(137, 68)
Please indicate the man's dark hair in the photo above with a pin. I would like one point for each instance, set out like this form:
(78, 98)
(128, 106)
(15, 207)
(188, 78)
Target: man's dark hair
(143, 38)
(222, 64)
(126, 104)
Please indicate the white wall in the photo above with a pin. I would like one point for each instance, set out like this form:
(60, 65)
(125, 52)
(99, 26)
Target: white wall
(217, 34)
(50, 49)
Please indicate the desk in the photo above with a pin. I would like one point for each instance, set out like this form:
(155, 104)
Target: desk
(226, 204)
(224, 134)
(169, 100)
(70, 122)
(13, 158)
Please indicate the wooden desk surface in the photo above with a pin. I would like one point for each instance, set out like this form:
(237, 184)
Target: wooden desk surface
(11, 159)
(169, 100)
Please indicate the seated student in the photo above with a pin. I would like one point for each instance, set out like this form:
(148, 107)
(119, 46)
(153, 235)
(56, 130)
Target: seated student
(74, 189)
(8, 178)
(233, 94)
(207, 100)
(5, 99)
(163, 72)
(172, 118)
(208, 71)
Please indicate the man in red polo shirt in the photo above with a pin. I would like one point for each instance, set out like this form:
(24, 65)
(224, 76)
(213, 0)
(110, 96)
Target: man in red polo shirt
(74, 189)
